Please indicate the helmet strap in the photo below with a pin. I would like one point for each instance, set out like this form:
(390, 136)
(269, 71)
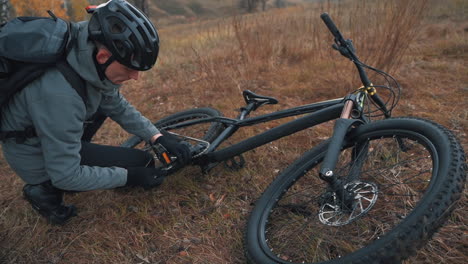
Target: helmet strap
(101, 68)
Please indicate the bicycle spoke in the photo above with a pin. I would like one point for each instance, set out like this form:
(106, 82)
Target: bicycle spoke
(400, 184)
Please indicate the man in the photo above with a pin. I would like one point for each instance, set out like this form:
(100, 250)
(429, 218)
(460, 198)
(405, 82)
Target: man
(117, 43)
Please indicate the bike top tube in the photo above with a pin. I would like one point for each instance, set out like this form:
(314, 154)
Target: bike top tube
(300, 110)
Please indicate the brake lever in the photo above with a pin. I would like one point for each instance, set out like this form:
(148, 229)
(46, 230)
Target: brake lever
(346, 49)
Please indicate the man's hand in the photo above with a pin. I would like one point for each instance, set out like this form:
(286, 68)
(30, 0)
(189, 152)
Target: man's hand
(145, 177)
(174, 146)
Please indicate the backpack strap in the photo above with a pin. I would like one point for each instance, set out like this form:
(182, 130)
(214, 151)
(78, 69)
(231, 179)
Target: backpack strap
(67, 71)
(20, 136)
(73, 79)
(73, 36)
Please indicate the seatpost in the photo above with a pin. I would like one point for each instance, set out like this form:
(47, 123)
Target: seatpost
(245, 111)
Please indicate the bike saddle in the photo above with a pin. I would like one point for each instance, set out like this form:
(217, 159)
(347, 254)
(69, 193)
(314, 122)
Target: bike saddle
(258, 100)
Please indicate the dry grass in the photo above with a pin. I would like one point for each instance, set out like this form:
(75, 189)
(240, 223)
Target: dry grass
(195, 218)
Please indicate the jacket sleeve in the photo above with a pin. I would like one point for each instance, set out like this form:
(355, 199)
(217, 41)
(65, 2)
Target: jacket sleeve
(121, 111)
(58, 120)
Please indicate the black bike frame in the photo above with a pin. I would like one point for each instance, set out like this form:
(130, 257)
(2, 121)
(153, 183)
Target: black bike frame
(317, 113)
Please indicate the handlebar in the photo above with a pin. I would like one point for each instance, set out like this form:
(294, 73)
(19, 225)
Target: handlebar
(346, 48)
(332, 27)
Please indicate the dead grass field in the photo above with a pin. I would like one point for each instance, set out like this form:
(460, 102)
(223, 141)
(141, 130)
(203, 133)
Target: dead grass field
(285, 53)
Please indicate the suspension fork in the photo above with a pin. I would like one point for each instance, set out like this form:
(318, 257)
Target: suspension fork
(351, 110)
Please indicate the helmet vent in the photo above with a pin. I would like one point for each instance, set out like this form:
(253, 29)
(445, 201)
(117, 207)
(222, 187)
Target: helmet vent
(145, 37)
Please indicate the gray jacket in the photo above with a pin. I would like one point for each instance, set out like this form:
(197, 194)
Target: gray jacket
(58, 113)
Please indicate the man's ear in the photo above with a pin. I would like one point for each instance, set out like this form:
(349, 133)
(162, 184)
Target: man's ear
(102, 56)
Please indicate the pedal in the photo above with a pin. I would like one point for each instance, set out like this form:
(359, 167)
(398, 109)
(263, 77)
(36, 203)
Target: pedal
(208, 167)
(166, 161)
(161, 154)
(235, 163)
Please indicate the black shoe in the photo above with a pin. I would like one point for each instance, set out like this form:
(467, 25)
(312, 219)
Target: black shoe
(48, 201)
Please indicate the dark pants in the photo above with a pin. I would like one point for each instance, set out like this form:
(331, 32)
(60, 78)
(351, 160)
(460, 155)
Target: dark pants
(109, 156)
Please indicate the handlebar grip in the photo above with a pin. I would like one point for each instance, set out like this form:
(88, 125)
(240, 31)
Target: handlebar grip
(332, 27)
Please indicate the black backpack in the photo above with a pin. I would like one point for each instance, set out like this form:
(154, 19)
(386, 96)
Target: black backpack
(29, 46)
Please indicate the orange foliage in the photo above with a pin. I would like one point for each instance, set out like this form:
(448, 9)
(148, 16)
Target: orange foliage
(77, 11)
(39, 7)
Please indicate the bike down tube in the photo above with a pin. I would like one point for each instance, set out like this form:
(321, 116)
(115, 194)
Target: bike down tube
(310, 120)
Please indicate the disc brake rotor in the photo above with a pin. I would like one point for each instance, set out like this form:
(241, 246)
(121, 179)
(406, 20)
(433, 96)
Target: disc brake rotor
(364, 197)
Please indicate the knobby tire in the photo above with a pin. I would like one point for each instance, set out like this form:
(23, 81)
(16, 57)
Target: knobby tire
(418, 184)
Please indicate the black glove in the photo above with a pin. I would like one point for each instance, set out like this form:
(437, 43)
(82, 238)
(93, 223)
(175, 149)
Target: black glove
(174, 146)
(145, 177)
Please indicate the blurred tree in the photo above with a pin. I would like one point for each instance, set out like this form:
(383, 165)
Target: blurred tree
(280, 3)
(4, 11)
(39, 7)
(252, 5)
(76, 9)
(263, 4)
(66, 4)
(141, 4)
(249, 5)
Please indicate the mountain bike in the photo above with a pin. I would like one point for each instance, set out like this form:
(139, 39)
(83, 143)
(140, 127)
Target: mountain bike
(374, 192)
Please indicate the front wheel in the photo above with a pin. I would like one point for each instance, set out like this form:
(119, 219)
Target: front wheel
(404, 174)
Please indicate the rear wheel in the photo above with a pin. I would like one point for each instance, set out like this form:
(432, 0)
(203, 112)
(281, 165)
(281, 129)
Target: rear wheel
(206, 131)
(404, 175)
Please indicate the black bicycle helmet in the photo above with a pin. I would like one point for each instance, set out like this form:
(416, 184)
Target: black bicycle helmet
(127, 33)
